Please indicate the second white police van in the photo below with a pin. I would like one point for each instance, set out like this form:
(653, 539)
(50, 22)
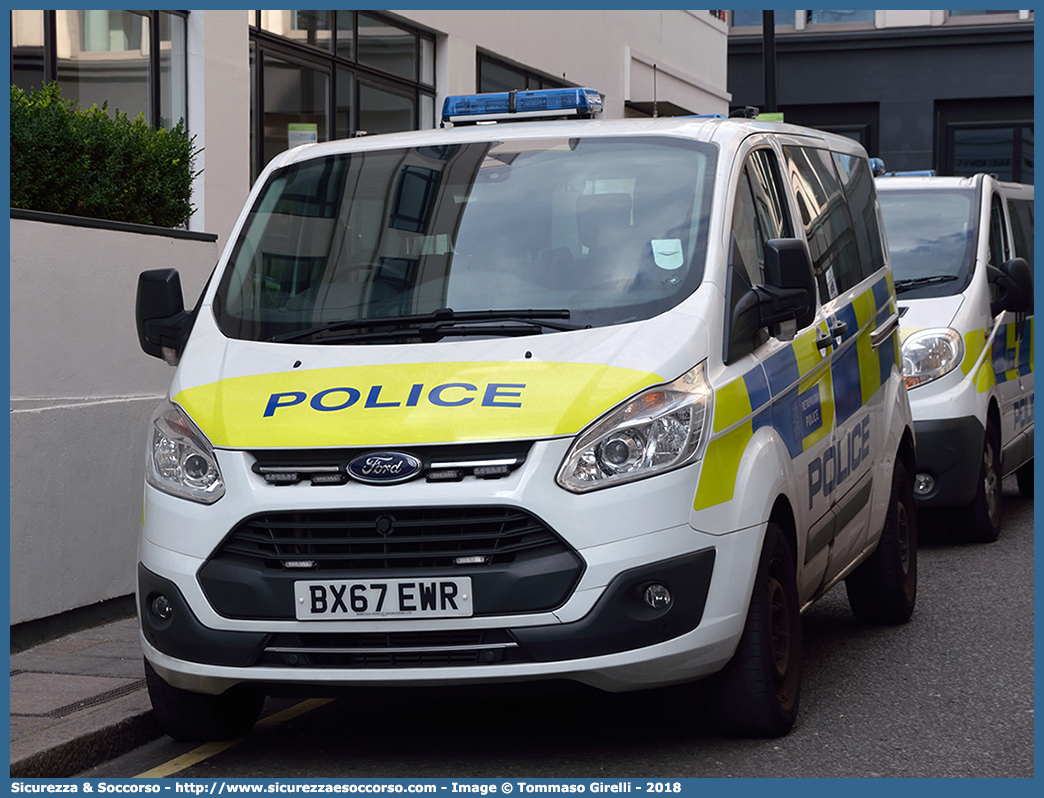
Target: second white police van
(962, 253)
(603, 401)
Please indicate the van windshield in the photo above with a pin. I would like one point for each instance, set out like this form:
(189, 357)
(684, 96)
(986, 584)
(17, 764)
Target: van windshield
(595, 231)
(931, 239)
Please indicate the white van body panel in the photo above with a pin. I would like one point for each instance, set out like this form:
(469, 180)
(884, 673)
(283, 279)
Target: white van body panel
(797, 433)
(993, 384)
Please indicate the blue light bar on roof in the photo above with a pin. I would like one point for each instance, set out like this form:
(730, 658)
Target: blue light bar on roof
(508, 106)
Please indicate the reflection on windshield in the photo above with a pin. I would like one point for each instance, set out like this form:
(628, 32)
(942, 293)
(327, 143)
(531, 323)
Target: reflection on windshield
(611, 230)
(930, 238)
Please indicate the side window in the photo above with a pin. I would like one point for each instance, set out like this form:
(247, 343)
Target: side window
(826, 219)
(759, 213)
(998, 236)
(862, 203)
(1022, 228)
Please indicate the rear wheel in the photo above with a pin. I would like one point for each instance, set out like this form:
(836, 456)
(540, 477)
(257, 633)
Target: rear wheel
(757, 693)
(193, 716)
(884, 588)
(980, 522)
(1025, 479)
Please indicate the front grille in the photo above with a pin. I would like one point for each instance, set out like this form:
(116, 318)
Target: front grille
(392, 649)
(382, 539)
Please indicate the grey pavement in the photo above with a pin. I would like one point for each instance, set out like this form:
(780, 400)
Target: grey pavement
(78, 700)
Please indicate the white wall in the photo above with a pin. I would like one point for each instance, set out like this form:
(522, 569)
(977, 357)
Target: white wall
(592, 48)
(81, 393)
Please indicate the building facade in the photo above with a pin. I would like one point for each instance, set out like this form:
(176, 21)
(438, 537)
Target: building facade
(944, 90)
(248, 84)
(253, 83)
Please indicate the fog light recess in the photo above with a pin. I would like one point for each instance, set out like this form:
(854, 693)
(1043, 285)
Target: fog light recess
(923, 484)
(162, 608)
(657, 596)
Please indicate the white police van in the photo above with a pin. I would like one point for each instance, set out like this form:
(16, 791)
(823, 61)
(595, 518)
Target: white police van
(602, 401)
(962, 253)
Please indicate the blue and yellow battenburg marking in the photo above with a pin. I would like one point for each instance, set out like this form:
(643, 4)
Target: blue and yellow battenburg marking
(408, 403)
(1010, 355)
(798, 400)
(1013, 356)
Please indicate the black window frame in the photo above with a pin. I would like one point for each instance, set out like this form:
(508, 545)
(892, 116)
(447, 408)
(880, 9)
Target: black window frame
(1017, 159)
(50, 55)
(338, 67)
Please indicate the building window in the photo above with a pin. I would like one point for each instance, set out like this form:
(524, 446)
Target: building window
(133, 60)
(497, 75)
(322, 75)
(986, 135)
(967, 13)
(753, 19)
(839, 17)
(1006, 151)
(986, 17)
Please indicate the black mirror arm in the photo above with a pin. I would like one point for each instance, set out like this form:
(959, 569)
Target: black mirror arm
(169, 334)
(778, 305)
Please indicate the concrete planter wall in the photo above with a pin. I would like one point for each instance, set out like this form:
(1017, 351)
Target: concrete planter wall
(81, 394)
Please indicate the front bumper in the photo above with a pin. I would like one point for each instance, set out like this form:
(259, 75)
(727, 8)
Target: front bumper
(600, 633)
(950, 451)
(619, 621)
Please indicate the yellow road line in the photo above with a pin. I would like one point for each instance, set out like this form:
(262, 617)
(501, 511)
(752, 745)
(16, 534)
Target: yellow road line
(208, 750)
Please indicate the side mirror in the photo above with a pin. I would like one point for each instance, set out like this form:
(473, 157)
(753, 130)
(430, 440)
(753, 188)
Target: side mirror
(789, 292)
(1014, 280)
(160, 314)
(785, 304)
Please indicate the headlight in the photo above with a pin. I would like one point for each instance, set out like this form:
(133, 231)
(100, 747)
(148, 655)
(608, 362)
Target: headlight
(180, 460)
(929, 354)
(653, 432)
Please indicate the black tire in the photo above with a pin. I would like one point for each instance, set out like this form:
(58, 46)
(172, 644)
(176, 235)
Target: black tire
(1024, 476)
(193, 716)
(883, 589)
(758, 692)
(980, 522)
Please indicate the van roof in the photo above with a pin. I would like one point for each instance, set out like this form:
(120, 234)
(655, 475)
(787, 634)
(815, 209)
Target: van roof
(944, 183)
(723, 131)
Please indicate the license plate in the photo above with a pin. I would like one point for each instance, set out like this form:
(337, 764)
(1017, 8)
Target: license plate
(383, 598)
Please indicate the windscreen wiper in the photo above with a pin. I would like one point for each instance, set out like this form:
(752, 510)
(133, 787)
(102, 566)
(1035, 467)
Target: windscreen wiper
(443, 320)
(917, 282)
(429, 333)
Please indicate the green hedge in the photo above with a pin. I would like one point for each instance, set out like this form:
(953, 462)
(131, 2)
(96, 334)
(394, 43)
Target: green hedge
(88, 163)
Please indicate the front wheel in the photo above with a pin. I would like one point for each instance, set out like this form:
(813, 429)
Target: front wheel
(758, 691)
(980, 522)
(883, 589)
(193, 716)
